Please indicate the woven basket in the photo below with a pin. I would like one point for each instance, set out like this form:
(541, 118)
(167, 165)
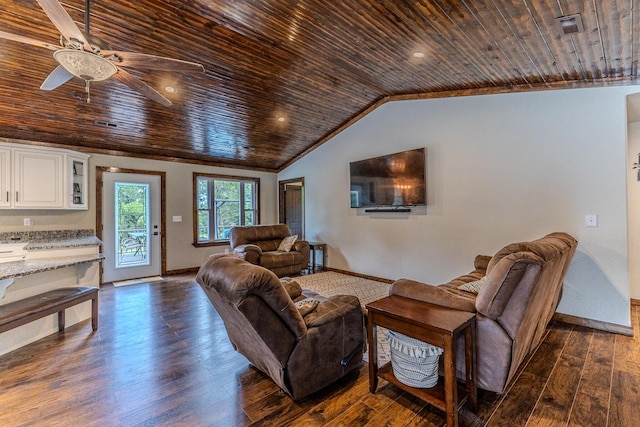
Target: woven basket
(414, 363)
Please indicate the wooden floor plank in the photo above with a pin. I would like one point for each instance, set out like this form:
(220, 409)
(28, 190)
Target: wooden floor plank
(591, 405)
(517, 406)
(557, 398)
(625, 399)
(162, 357)
(399, 412)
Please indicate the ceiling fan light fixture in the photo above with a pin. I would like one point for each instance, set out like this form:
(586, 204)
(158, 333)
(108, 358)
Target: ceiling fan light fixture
(88, 66)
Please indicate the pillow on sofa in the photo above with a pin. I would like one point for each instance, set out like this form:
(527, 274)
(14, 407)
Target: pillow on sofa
(306, 306)
(473, 287)
(287, 243)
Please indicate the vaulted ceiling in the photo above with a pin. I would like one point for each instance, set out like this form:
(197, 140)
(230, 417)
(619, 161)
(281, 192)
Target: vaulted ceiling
(284, 76)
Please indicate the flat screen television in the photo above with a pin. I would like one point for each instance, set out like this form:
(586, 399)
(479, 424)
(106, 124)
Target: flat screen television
(393, 180)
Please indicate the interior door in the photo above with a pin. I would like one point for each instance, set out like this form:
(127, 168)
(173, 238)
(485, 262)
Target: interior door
(131, 219)
(292, 205)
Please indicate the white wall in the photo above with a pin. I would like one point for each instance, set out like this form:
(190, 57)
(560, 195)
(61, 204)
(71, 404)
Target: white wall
(501, 168)
(634, 210)
(179, 192)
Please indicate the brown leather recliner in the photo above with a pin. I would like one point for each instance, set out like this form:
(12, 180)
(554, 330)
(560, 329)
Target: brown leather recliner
(258, 244)
(519, 296)
(300, 354)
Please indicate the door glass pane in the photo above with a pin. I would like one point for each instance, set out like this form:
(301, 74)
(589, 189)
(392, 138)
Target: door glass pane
(132, 224)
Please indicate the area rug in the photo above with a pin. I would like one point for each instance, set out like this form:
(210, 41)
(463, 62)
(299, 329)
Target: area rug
(137, 281)
(330, 283)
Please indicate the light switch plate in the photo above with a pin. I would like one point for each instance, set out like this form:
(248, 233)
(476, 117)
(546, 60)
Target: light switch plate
(177, 218)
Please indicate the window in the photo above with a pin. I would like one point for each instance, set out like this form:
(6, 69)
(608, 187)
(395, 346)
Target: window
(222, 202)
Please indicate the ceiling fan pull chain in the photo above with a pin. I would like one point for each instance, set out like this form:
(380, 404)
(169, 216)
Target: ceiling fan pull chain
(86, 88)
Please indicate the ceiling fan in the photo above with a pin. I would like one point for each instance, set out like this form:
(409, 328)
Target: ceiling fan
(81, 54)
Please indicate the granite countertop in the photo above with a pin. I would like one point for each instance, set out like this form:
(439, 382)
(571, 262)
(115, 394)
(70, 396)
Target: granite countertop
(14, 269)
(63, 243)
(57, 239)
(48, 240)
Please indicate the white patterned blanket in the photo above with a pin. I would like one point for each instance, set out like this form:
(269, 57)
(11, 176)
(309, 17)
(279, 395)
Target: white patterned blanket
(330, 283)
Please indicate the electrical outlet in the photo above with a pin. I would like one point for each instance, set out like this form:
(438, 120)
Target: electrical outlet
(26, 222)
(591, 220)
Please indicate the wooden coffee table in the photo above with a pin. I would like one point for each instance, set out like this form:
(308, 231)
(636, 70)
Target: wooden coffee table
(435, 325)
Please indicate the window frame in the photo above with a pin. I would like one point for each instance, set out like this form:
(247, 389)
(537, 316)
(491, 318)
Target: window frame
(240, 179)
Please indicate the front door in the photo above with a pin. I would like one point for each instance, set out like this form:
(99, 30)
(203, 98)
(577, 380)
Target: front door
(131, 220)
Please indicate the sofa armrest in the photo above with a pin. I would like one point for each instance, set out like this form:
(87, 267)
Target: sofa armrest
(300, 245)
(438, 295)
(481, 262)
(250, 252)
(249, 247)
(333, 308)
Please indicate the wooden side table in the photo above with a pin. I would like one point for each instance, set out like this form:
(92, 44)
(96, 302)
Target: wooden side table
(317, 246)
(435, 325)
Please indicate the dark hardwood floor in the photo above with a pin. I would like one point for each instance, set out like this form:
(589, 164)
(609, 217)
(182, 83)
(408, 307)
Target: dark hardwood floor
(161, 357)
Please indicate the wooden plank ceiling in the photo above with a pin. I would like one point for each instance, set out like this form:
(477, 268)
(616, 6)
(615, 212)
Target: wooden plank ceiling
(318, 65)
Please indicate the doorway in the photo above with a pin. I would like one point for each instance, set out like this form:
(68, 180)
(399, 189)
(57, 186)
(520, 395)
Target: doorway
(291, 205)
(130, 223)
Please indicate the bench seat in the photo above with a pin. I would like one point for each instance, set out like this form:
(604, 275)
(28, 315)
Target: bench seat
(27, 310)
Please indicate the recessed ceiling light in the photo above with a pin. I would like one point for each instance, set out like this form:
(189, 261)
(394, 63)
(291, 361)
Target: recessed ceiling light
(170, 89)
(281, 119)
(418, 54)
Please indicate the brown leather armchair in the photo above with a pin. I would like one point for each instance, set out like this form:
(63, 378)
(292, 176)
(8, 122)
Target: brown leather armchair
(300, 354)
(516, 300)
(259, 244)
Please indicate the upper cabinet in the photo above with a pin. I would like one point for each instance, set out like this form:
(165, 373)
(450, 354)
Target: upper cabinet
(42, 178)
(38, 179)
(6, 191)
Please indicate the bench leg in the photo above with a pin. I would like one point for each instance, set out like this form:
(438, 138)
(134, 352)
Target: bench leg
(61, 320)
(94, 313)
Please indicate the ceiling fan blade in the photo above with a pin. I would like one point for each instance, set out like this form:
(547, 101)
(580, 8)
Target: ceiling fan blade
(57, 78)
(27, 40)
(151, 62)
(139, 86)
(63, 22)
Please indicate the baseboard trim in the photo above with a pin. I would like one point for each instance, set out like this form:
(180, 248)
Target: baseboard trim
(182, 271)
(594, 324)
(363, 276)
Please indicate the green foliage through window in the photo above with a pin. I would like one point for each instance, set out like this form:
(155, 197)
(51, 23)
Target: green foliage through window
(222, 203)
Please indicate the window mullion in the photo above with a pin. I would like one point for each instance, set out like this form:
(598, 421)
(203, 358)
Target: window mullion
(211, 184)
(242, 219)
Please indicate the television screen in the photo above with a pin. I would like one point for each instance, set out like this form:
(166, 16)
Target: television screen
(394, 180)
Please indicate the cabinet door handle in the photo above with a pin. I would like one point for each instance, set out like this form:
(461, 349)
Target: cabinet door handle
(7, 196)
(16, 196)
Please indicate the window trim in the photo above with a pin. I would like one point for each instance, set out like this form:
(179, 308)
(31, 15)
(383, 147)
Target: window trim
(196, 175)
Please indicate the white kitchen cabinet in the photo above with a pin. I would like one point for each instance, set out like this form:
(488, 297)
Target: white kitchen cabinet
(42, 178)
(38, 177)
(5, 178)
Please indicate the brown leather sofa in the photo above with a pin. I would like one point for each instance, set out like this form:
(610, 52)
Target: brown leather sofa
(259, 244)
(516, 301)
(300, 354)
